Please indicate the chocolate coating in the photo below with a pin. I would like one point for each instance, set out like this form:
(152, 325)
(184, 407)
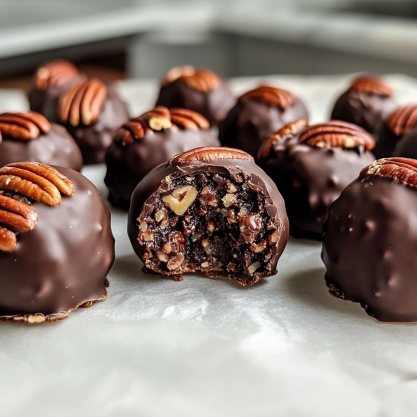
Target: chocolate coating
(407, 146)
(161, 180)
(128, 164)
(64, 261)
(310, 179)
(54, 148)
(368, 248)
(93, 140)
(213, 105)
(249, 122)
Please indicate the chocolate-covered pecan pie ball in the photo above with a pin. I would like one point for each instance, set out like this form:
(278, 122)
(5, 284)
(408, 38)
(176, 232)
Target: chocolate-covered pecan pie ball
(30, 137)
(256, 115)
(50, 80)
(369, 241)
(56, 244)
(92, 112)
(367, 103)
(211, 210)
(150, 140)
(200, 90)
(311, 165)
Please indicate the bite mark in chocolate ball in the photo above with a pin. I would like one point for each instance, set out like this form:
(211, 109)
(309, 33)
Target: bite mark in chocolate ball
(56, 245)
(200, 90)
(92, 112)
(256, 115)
(148, 141)
(369, 240)
(211, 210)
(311, 165)
(367, 103)
(30, 137)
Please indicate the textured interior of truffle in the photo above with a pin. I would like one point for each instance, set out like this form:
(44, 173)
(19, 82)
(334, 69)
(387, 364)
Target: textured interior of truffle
(225, 231)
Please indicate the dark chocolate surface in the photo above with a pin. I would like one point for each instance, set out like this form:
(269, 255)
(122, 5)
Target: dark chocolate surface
(64, 260)
(407, 146)
(386, 142)
(249, 122)
(54, 148)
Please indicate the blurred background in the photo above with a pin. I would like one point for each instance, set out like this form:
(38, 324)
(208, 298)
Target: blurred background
(116, 39)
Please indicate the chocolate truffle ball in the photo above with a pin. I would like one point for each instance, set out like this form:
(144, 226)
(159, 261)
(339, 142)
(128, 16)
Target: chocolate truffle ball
(369, 241)
(150, 140)
(311, 165)
(92, 112)
(30, 137)
(404, 123)
(211, 210)
(256, 115)
(56, 244)
(200, 90)
(51, 79)
(367, 103)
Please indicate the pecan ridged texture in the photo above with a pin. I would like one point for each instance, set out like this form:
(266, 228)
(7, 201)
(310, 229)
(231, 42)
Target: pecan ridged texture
(209, 154)
(337, 134)
(83, 103)
(371, 85)
(271, 95)
(54, 74)
(157, 119)
(289, 129)
(403, 120)
(23, 126)
(202, 80)
(399, 170)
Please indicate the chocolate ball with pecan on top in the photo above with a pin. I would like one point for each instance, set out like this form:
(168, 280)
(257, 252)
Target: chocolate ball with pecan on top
(256, 115)
(92, 112)
(211, 210)
(147, 141)
(311, 165)
(200, 90)
(30, 137)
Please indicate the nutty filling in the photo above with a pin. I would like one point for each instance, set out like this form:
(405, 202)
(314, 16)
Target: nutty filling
(210, 223)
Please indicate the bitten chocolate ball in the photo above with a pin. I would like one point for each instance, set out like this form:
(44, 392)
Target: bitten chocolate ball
(51, 79)
(200, 90)
(211, 210)
(311, 165)
(148, 141)
(367, 103)
(369, 241)
(30, 137)
(56, 244)
(256, 115)
(92, 112)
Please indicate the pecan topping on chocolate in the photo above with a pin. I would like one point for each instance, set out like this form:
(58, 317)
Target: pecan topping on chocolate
(289, 129)
(202, 80)
(54, 73)
(160, 118)
(271, 95)
(337, 134)
(82, 103)
(403, 120)
(371, 85)
(400, 170)
(209, 154)
(23, 126)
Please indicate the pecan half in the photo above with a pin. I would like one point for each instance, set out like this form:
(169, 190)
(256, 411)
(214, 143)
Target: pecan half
(8, 240)
(371, 85)
(271, 95)
(83, 103)
(17, 216)
(403, 120)
(24, 126)
(289, 129)
(337, 134)
(202, 80)
(54, 73)
(400, 170)
(209, 154)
